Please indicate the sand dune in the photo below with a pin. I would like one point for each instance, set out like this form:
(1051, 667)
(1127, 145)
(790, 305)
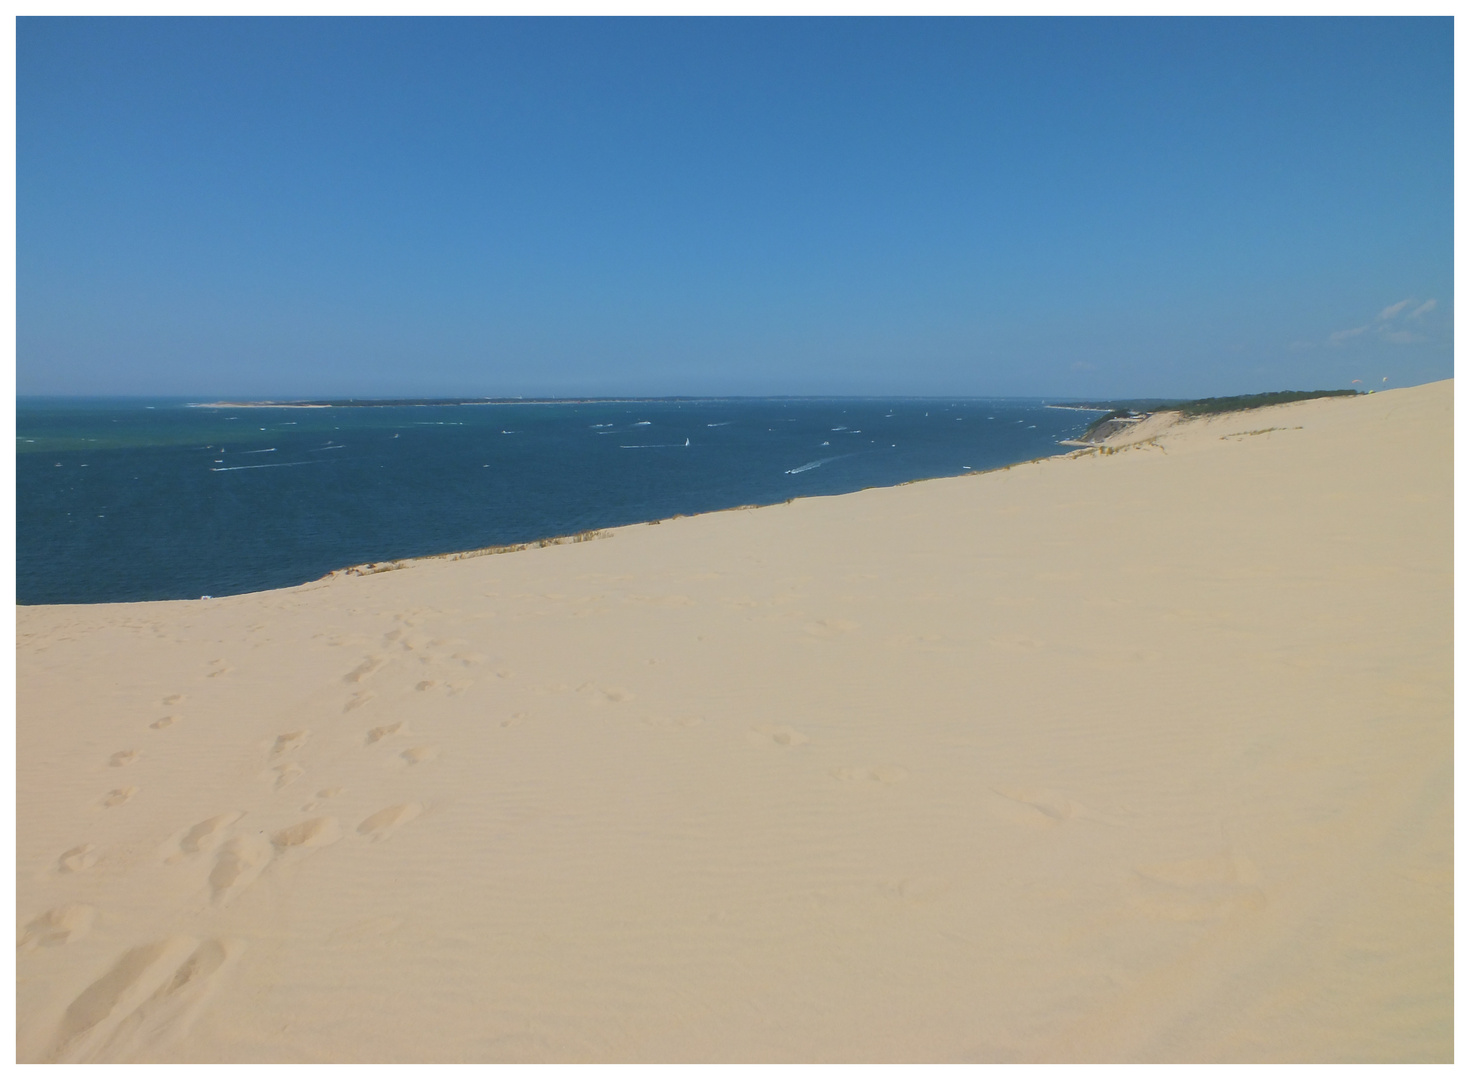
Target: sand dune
(1142, 755)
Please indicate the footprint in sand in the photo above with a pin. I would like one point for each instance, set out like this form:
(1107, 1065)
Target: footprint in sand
(173, 699)
(315, 833)
(321, 796)
(201, 838)
(238, 864)
(362, 697)
(779, 736)
(74, 860)
(377, 734)
(118, 796)
(122, 757)
(163, 722)
(513, 719)
(207, 834)
(288, 772)
(1196, 890)
(144, 1003)
(1041, 806)
(222, 669)
(427, 684)
(420, 754)
(59, 926)
(364, 669)
(604, 695)
(380, 825)
(291, 740)
(883, 774)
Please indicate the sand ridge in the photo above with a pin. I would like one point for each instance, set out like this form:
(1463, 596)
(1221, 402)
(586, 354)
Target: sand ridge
(1131, 755)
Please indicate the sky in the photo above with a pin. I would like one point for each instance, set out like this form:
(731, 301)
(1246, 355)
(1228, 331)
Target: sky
(1063, 208)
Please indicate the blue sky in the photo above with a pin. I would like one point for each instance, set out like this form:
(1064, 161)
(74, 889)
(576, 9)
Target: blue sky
(1033, 207)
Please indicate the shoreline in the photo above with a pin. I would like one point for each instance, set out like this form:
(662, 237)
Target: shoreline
(600, 532)
(1113, 439)
(843, 778)
(379, 566)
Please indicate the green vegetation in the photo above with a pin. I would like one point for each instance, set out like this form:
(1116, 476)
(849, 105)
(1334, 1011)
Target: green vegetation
(1201, 406)
(1205, 406)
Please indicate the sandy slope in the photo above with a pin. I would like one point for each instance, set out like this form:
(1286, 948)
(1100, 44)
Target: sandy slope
(1142, 755)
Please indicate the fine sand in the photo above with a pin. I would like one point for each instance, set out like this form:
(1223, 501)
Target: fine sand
(1137, 755)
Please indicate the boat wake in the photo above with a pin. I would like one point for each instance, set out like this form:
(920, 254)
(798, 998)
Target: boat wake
(654, 446)
(272, 465)
(810, 465)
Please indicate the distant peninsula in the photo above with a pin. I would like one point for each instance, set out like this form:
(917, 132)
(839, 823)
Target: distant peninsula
(383, 403)
(353, 403)
(1134, 406)
(1121, 414)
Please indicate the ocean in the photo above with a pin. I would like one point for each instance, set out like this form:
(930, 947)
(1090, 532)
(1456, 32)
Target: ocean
(120, 500)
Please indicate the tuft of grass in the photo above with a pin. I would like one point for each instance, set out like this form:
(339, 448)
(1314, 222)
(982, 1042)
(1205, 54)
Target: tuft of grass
(1258, 431)
(368, 569)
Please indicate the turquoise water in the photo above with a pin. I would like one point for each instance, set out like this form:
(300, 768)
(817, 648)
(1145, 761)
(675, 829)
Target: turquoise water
(152, 500)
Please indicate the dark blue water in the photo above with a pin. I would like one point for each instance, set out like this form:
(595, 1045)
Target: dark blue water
(153, 500)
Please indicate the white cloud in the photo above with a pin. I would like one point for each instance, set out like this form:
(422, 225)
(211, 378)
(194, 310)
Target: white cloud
(1388, 326)
(1402, 337)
